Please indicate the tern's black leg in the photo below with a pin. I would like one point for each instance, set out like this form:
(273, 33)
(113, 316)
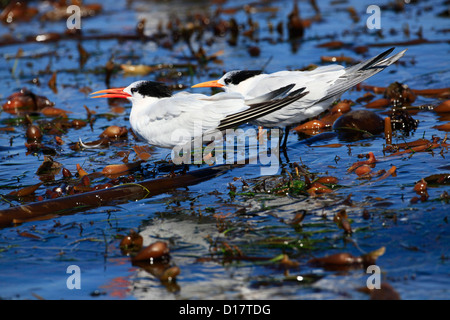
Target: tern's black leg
(280, 137)
(286, 134)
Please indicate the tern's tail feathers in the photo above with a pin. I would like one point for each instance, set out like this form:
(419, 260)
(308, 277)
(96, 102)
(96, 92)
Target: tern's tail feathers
(362, 71)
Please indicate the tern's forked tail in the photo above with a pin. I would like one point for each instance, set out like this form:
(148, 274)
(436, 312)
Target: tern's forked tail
(362, 71)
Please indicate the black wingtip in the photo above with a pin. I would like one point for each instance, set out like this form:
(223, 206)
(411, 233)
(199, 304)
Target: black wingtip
(296, 92)
(276, 94)
(281, 91)
(379, 57)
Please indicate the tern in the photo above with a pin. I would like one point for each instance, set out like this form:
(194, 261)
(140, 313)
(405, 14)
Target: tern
(167, 120)
(325, 85)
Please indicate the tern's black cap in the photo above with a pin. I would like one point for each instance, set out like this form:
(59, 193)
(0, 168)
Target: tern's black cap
(236, 77)
(152, 89)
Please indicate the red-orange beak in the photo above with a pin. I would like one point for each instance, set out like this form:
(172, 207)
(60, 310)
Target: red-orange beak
(112, 93)
(207, 84)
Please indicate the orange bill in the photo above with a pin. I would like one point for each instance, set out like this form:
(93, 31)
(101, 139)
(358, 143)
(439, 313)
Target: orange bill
(112, 93)
(207, 84)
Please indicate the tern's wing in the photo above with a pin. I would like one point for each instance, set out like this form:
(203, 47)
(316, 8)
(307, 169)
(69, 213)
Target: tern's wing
(275, 94)
(173, 107)
(182, 117)
(186, 111)
(224, 111)
(259, 110)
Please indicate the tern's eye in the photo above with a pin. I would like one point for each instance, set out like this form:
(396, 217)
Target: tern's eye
(133, 90)
(227, 81)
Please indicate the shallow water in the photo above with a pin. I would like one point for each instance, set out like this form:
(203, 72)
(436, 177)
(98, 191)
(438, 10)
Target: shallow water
(199, 222)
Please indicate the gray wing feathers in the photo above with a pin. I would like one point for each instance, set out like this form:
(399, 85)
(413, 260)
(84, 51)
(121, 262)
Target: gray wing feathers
(271, 95)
